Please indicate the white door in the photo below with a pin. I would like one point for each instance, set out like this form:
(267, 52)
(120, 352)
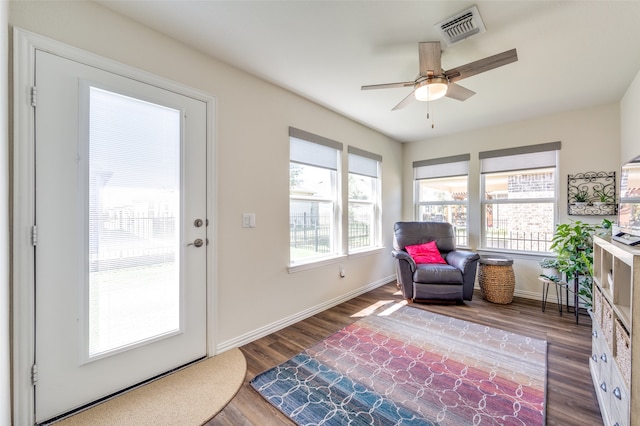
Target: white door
(121, 224)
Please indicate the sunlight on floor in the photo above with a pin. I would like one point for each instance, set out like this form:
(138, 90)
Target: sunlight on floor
(393, 308)
(371, 309)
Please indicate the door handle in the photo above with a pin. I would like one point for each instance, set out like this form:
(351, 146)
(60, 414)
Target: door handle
(197, 242)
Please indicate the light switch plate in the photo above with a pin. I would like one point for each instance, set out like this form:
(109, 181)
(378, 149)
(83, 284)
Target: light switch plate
(248, 220)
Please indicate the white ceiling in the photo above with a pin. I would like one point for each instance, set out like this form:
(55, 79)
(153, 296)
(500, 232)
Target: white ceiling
(572, 54)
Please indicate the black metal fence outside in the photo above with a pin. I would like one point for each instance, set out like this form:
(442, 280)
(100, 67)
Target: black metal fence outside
(501, 237)
(462, 239)
(516, 240)
(310, 232)
(313, 233)
(124, 240)
(359, 235)
(140, 226)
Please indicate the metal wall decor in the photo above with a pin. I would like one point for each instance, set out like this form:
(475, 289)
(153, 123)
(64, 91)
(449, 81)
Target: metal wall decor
(592, 194)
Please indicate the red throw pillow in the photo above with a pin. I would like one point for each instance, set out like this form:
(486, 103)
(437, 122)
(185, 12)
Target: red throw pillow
(425, 253)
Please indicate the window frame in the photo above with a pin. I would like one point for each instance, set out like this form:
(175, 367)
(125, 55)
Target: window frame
(536, 157)
(376, 199)
(335, 245)
(438, 168)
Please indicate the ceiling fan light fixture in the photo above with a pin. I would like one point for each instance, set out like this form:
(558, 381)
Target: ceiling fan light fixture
(431, 89)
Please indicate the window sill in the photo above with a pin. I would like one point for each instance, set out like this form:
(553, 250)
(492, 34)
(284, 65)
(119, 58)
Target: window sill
(312, 264)
(366, 252)
(526, 255)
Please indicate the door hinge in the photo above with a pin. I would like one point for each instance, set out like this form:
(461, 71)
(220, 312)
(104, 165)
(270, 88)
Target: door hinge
(34, 235)
(34, 96)
(34, 374)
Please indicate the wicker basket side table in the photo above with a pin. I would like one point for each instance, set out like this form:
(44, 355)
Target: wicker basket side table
(496, 278)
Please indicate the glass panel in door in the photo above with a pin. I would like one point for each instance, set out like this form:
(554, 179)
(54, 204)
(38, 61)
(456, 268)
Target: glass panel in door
(134, 212)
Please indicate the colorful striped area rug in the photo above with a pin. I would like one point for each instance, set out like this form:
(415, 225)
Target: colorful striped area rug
(412, 367)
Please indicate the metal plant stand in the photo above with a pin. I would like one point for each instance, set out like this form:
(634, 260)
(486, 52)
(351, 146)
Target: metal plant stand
(546, 283)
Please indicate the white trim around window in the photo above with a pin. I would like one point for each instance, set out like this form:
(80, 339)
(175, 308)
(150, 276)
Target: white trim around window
(315, 200)
(519, 188)
(364, 201)
(441, 193)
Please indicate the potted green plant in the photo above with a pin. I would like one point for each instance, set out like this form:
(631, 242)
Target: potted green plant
(601, 197)
(550, 269)
(573, 244)
(581, 196)
(606, 226)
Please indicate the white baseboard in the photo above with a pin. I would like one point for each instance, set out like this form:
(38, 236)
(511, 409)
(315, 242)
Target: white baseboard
(285, 322)
(525, 294)
(537, 295)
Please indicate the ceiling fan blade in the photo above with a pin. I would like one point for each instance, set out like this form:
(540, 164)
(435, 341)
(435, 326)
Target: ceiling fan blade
(457, 92)
(429, 53)
(388, 85)
(406, 101)
(482, 65)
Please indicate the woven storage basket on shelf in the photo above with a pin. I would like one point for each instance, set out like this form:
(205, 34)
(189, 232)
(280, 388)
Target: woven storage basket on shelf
(607, 323)
(497, 282)
(623, 352)
(597, 305)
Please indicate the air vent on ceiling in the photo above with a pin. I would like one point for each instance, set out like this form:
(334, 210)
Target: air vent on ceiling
(461, 26)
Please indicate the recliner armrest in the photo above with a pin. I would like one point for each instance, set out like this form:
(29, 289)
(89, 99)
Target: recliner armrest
(461, 258)
(403, 255)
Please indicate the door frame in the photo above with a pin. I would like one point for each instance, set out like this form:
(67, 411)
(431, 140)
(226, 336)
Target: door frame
(25, 44)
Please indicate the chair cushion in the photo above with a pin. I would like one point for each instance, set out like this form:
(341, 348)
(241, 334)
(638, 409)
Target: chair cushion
(425, 292)
(436, 273)
(425, 253)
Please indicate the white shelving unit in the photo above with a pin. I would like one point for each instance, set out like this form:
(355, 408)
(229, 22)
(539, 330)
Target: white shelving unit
(616, 311)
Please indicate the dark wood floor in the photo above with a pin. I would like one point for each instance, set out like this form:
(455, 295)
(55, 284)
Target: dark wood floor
(571, 398)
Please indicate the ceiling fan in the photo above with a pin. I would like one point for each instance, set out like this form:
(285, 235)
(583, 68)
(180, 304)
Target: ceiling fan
(433, 82)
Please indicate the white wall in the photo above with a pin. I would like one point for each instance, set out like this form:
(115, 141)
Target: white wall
(255, 289)
(5, 378)
(629, 122)
(590, 142)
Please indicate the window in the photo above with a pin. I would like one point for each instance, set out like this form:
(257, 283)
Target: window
(519, 202)
(364, 199)
(441, 192)
(314, 195)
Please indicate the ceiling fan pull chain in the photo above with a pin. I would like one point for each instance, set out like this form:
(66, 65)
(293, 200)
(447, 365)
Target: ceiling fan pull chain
(433, 126)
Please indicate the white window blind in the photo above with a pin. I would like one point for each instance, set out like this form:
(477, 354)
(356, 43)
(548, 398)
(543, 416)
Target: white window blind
(134, 175)
(313, 150)
(521, 158)
(442, 167)
(363, 163)
(312, 154)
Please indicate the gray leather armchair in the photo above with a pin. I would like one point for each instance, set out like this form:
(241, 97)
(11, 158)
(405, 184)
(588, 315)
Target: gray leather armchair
(452, 281)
